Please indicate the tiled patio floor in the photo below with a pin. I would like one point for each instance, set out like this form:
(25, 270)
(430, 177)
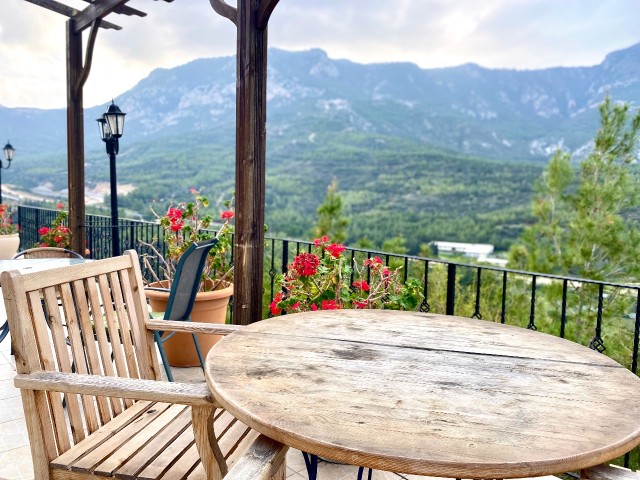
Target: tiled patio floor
(15, 455)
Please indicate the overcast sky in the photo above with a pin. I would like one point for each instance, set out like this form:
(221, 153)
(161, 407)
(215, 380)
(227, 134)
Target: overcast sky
(521, 34)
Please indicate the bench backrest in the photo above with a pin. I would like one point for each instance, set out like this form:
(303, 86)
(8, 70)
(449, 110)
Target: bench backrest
(87, 318)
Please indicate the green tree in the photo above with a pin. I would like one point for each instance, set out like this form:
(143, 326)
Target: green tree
(582, 226)
(331, 221)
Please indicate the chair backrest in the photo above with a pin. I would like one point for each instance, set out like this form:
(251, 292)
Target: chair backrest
(87, 318)
(187, 280)
(47, 252)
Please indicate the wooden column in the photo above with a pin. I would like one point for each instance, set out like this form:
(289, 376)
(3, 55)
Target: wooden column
(75, 138)
(251, 108)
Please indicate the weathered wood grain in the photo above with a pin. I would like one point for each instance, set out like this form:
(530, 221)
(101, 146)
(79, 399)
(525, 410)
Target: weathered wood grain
(427, 394)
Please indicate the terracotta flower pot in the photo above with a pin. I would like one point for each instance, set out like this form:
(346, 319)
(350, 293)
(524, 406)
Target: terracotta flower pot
(9, 245)
(210, 307)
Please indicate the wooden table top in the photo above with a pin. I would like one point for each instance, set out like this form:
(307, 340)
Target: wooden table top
(30, 265)
(427, 394)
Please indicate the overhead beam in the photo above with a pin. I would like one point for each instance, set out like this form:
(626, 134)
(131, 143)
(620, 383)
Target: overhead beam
(63, 9)
(95, 11)
(124, 10)
(264, 12)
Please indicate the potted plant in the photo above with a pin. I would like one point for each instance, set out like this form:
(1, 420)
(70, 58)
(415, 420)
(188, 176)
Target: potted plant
(58, 234)
(182, 225)
(325, 280)
(9, 234)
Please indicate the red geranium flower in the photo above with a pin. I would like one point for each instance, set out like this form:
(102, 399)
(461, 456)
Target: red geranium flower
(227, 215)
(362, 304)
(43, 230)
(330, 305)
(335, 249)
(306, 264)
(274, 304)
(361, 285)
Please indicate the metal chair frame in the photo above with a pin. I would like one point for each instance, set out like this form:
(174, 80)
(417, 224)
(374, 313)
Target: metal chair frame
(182, 295)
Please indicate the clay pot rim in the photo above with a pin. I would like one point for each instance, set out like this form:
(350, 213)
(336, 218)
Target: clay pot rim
(213, 294)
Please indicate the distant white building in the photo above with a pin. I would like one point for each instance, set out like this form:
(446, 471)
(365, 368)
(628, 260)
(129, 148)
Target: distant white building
(473, 250)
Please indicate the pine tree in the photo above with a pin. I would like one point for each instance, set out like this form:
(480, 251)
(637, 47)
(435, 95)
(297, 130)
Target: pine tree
(331, 221)
(583, 227)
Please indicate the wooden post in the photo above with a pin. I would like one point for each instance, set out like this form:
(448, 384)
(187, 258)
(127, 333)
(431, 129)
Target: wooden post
(75, 138)
(251, 108)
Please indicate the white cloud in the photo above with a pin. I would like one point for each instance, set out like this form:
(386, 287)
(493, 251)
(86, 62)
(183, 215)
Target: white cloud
(431, 33)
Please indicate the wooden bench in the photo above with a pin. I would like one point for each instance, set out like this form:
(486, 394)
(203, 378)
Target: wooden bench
(109, 415)
(609, 472)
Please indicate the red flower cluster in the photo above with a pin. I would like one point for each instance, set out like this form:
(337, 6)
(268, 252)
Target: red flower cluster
(227, 215)
(327, 280)
(335, 249)
(306, 264)
(58, 235)
(7, 226)
(274, 304)
(175, 218)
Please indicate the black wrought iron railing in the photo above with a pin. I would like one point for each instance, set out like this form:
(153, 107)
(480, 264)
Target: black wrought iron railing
(602, 315)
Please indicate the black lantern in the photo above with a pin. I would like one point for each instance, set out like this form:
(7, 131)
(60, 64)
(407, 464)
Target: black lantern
(8, 152)
(111, 125)
(8, 156)
(115, 120)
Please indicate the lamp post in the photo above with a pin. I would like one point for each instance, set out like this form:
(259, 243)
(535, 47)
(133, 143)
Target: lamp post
(111, 125)
(8, 156)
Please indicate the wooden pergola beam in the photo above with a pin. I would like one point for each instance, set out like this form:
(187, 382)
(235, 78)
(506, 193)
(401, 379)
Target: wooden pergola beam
(95, 11)
(67, 11)
(264, 12)
(124, 10)
(251, 18)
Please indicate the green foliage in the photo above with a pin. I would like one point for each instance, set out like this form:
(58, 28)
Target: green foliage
(331, 221)
(325, 279)
(583, 228)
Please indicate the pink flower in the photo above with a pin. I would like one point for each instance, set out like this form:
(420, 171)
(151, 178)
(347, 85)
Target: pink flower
(361, 285)
(227, 215)
(59, 205)
(373, 262)
(335, 249)
(321, 241)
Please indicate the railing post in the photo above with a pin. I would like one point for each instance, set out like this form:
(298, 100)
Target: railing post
(451, 288)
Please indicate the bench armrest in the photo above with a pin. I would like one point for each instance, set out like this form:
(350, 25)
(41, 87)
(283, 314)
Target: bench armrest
(134, 388)
(191, 327)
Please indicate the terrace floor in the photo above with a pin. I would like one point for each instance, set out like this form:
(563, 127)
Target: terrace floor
(15, 455)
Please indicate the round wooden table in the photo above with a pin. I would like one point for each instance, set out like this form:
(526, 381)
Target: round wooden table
(427, 394)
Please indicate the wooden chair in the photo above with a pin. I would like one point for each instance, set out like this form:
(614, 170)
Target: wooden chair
(120, 420)
(47, 252)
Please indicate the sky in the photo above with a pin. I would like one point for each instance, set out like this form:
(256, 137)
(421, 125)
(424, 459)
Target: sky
(521, 34)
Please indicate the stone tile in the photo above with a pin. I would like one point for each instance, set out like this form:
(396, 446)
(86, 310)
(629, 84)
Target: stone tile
(7, 390)
(11, 409)
(7, 371)
(16, 464)
(295, 461)
(13, 434)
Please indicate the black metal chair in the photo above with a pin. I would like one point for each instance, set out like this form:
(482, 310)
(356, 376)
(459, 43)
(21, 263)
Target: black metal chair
(182, 294)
